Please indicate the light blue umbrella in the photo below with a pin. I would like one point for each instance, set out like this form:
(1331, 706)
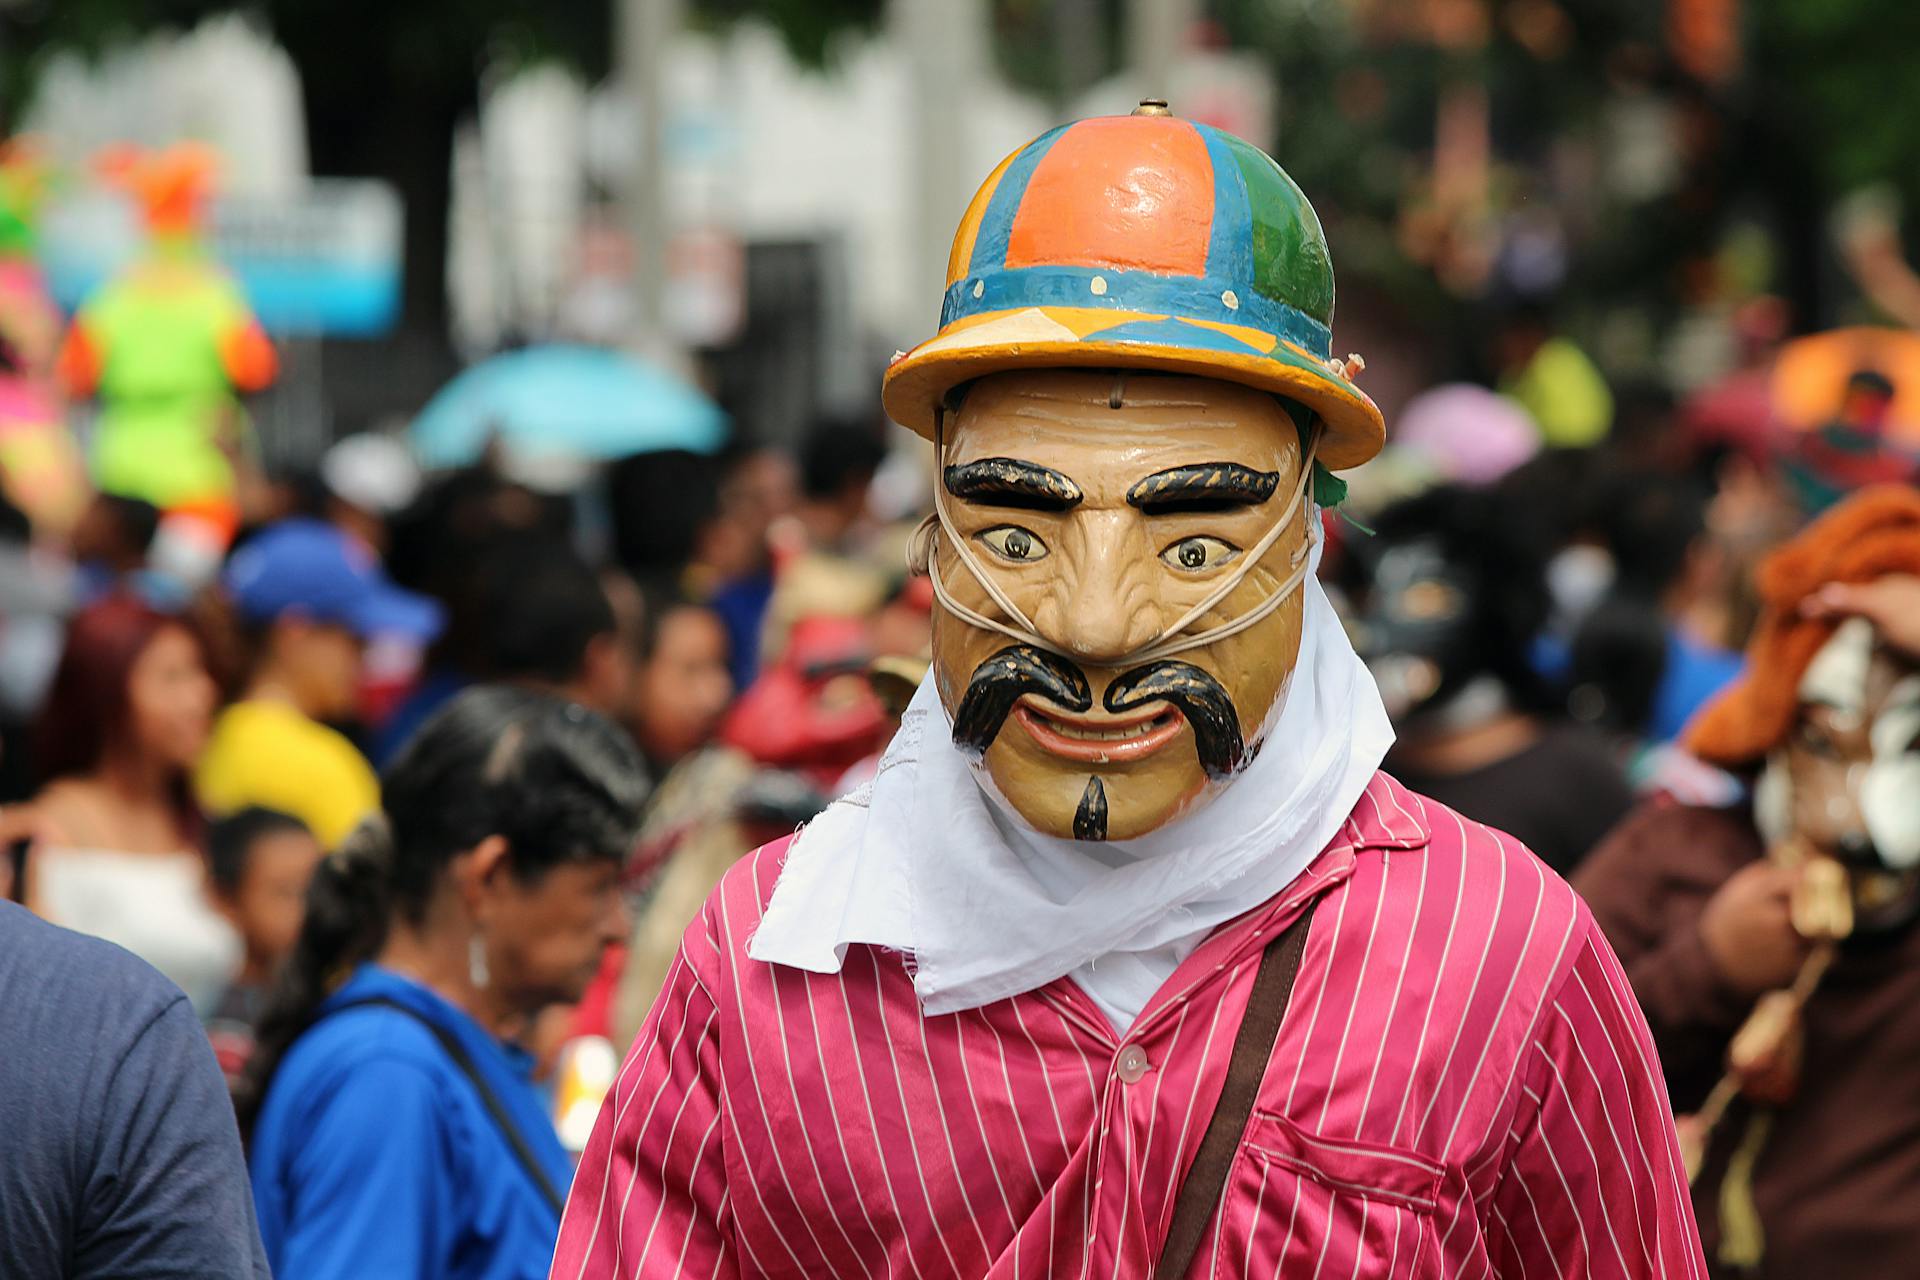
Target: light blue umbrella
(582, 402)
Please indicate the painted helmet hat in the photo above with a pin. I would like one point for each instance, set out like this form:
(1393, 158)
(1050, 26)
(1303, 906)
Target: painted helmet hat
(1142, 242)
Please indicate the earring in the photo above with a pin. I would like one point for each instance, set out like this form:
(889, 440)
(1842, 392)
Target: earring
(477, 963)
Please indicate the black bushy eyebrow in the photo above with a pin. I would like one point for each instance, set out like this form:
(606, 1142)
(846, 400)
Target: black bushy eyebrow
(1204, 486)
(1009, 482)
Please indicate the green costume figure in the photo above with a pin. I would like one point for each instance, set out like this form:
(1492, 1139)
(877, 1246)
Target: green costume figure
(165, 345)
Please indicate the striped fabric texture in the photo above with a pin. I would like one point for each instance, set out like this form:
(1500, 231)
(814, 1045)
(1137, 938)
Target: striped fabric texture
(1462, 1087)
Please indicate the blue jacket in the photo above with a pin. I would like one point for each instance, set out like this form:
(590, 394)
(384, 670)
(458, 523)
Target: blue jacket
(375, 1156)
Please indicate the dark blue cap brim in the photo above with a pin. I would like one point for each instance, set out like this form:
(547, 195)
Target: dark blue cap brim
(389, 611)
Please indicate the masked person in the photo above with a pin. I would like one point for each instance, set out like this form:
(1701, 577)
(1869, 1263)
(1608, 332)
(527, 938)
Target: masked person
(166, 345)
(1451, 599)
(1012, 1010)
(1773, 944)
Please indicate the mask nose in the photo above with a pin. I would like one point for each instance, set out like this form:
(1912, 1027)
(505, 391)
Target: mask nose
(1105, 608)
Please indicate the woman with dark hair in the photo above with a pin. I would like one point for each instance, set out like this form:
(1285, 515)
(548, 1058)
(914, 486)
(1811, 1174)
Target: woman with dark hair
(116, 842)
(394, 1126)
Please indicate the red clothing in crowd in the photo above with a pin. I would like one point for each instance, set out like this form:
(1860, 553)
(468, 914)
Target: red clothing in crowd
(1462, 1086)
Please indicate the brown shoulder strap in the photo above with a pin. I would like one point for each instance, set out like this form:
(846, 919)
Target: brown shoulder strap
(1199, 1195)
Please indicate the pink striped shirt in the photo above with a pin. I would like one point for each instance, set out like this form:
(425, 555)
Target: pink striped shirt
(1462, 1087)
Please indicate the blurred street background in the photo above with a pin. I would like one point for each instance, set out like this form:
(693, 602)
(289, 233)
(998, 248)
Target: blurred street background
(760, 195)
(354, 352)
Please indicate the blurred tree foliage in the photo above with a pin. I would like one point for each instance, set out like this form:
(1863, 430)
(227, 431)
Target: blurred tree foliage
(1825, 99)
(1057, 48)
(433, 40)
(809, 27)
(1840, 75)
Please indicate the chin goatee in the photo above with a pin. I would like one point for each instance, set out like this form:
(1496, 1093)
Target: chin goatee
(1090, 820)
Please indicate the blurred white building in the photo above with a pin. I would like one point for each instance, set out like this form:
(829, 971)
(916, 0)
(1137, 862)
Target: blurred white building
(778, 177)
(224, 83)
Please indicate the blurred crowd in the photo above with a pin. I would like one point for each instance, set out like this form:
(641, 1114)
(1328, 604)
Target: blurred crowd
(180, 756)
(181, 745)
(207, 669)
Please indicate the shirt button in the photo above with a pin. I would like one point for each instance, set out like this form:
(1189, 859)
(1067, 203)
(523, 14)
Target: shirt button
(1132, 1064)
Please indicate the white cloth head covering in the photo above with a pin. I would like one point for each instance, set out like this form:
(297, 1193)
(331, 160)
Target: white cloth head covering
(926, 860)
(375, 473)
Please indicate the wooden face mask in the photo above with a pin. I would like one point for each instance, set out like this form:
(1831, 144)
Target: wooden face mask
(1842, 785)
(1116, 571)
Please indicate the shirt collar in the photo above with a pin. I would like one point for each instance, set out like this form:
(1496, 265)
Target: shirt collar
(1387, 816)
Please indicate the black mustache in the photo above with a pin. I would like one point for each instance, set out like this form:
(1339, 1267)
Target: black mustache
(1003, 680)
(1011, 674)
(1202, 699)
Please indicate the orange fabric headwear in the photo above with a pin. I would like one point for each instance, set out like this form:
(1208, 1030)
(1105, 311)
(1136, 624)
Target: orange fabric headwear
(1874, 533)
(171, 185)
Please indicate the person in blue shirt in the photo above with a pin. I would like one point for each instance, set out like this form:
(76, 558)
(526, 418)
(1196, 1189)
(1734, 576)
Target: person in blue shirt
(395, 1128)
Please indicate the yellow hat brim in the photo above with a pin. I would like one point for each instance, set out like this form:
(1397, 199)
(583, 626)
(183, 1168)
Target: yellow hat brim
(1048, 337)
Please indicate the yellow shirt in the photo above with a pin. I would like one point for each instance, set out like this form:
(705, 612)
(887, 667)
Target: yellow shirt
(1566, 394)
(267, 753)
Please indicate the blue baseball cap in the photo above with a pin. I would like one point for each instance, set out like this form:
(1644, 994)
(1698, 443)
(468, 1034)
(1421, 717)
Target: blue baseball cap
(310, 568)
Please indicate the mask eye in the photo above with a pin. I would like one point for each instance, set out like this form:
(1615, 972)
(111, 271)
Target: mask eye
(1011, 542)
(1817, 742)
(1199, 553)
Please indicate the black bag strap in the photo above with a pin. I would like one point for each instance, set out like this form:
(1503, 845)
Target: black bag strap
(458, 1052)
(1199, 1193)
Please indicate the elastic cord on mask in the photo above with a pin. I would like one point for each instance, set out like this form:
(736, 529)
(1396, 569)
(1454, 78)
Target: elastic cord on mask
(1169, 641)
